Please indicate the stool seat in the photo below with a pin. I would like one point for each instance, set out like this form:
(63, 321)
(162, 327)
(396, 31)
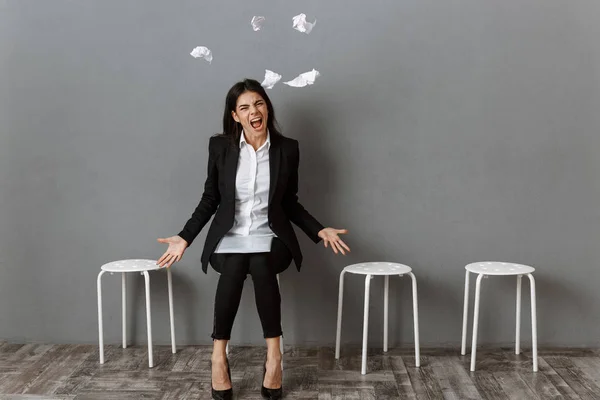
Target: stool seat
(133, 265)
(378, 268)
(499, 268)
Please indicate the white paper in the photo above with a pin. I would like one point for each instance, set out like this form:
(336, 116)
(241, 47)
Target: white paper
(271, 78)
(202, 52)
(257, 23)
(300, 24)
(305, 79)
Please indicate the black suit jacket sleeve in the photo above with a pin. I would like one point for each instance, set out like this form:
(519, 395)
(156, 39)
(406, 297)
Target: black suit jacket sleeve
(210, 198)
(293, 209)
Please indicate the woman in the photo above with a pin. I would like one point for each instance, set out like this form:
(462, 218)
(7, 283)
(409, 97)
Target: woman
(252, 186)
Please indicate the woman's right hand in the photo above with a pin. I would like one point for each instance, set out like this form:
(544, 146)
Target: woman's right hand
(174, 252)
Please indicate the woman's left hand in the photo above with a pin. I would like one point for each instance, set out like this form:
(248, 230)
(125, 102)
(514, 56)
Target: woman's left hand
(330, 237)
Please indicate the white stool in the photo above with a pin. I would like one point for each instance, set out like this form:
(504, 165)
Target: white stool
(504, 269)
(370, 269)
(142, 266)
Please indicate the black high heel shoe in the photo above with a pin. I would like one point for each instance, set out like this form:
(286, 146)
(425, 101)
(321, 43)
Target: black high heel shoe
(271, 394)
(226, 394)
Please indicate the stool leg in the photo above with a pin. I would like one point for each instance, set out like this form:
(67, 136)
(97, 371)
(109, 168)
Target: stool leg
(338, 332)
(171, 316)
(386, 294)
(148, 319)
(475, 321)
(416, 320)
(463, 348)
(518, 328)
(533, 323)
(100, 328)
(363, 369)
(124, 306)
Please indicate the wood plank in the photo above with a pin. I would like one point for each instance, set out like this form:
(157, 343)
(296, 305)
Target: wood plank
(341, 392)
(540, 383)
(590, 366)
(116, 395)
(27, 371)
(423, 378)
(187, 385)
(28, 353)
(133, 381)
(403, 382)
(65, 362)
(557, 381)
(72, 371)
(576, 379)
(33, 397)
(488, 386)
(514, 386)
(454, 380)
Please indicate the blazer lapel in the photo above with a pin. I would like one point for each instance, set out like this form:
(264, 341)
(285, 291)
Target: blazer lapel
(274, 165)
(231, 164)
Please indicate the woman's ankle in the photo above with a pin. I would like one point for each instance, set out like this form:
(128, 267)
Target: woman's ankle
(218, 358)
(219, 353)
(274, 358)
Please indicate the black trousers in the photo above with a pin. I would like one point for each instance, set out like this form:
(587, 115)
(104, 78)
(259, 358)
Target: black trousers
(263, 267)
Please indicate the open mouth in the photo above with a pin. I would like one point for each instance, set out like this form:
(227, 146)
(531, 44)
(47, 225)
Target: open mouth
(256, 123)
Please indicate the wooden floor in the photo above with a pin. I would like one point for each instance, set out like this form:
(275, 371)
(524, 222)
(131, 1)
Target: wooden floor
(37, 371)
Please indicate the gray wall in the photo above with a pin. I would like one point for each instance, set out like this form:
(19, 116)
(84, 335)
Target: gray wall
(440, 133)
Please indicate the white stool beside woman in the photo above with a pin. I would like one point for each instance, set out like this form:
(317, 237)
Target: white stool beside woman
(372, 269)
(143, 267)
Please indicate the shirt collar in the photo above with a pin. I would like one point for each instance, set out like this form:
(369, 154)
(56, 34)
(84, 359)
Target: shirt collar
(267, 142)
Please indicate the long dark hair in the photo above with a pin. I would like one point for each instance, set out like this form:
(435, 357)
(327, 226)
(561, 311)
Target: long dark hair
(232, 129)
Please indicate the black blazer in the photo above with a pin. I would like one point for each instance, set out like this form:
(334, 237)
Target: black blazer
(219, 197)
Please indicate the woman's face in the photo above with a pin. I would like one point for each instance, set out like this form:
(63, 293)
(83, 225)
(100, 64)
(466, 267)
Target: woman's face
(251, 111)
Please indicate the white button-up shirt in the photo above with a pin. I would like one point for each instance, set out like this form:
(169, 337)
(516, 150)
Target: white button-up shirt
(250, 232)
